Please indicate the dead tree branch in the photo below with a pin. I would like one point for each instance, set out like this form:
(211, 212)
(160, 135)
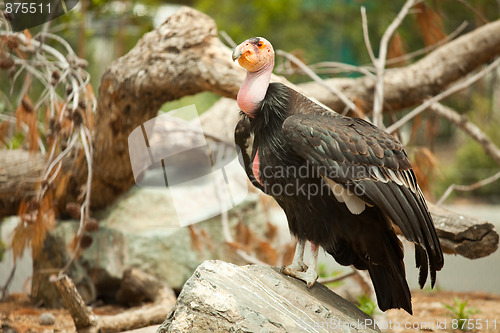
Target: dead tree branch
(87, 322)
(80, 313)
(468, 127)
(349, 104)
(450, 91)
(410, 85)
(466, 188)
(380, 63)
(463, 235)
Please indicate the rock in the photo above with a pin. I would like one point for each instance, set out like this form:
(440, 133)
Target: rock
(47, 318)
(141, 230)
(137, 287)
(222, 297)
(51, 258)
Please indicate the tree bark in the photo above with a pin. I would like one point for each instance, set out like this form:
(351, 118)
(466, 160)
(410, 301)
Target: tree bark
(463, 235)
(181, 57)
(20, 171)
(81, 314)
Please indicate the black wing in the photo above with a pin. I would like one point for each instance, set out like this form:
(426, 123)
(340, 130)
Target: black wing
(246, 152)
(373, 165)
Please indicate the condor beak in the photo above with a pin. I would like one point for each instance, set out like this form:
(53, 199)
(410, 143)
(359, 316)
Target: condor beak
(236, 53)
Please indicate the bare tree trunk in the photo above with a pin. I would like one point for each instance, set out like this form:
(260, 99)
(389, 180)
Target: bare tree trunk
(181, 57)
(20, 171)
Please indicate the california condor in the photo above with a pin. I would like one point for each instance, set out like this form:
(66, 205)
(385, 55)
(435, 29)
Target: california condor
(344, 184)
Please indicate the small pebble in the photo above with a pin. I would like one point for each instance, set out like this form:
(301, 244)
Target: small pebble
(47, 318)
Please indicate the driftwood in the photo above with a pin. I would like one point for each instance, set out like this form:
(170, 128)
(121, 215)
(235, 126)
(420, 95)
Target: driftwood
(464, 235)
(87, 322)
(81, 314)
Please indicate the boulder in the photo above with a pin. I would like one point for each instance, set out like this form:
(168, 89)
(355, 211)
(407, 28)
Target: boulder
(223, 297)
(141, 230)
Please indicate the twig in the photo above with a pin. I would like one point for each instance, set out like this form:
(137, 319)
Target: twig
(416, 53)
(465, 188)
(87, 322)
(337, 278)
(228, 39)
(380, 63)
(461, 85)
(467, 126)
(85, 207)
(341, 68)
(88, 149)
(474, 10)
(316, 78)
(9, 280)
(59, 157)
(82, 316)
(366, 36)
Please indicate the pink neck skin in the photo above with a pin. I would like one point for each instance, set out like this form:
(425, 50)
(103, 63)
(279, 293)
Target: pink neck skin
(254, 88)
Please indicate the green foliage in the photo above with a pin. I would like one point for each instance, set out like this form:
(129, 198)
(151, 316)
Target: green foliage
(367, 305)
(324, 273)
(322, 30)
(458, 311)
(203, 102)
(17, 140)
(472, 164)
(326, 30)
(3, 249)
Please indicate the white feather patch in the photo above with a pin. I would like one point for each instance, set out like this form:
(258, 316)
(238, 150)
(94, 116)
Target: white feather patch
(378, 175)
(394, 178)
(336, 189)
(411, 182)
(353, 202)
(355, 205)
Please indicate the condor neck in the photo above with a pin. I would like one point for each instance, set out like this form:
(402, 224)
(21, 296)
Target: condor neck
(253, 90)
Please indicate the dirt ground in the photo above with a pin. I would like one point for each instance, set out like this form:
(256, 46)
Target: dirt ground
(429, 314)
(18, 315)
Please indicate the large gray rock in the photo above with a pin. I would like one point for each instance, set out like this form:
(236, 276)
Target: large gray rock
(140, 230)
(222, 297)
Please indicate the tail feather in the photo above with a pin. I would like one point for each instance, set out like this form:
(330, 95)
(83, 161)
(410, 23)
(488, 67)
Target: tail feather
(389, 277)
(422, 264)
(386, 268)
(391, 287)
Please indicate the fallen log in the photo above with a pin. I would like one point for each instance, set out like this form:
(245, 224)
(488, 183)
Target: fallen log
(464, 235)
(87, 322)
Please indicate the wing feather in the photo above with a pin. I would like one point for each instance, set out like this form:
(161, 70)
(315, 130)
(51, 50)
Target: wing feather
(387, 182)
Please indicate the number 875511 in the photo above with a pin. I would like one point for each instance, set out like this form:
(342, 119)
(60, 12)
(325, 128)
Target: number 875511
(25, 7)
